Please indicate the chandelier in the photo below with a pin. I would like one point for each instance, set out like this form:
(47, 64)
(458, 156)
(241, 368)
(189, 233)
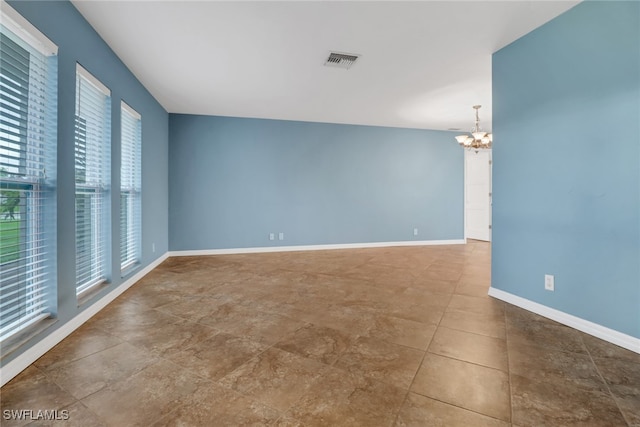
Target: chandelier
(478, 138)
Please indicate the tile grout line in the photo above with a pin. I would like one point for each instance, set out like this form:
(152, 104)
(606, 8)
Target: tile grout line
(282, 413)
(462, 408)
(44, 371)
(470, 363)
(424, 356)
(206, 379)
(506, 343)
(613, 397)
(41, 371)
(474, 333)
(428, 352)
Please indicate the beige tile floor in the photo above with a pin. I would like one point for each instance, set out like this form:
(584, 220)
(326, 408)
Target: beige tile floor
(371, 337)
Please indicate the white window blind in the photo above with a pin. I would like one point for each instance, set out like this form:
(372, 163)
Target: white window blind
(130, 188)
(93, 178)
(28, 141)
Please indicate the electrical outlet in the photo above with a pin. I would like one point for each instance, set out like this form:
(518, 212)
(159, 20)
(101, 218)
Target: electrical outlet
(153, 248)
(415, 231)
(281, 236)
(549, 282)
(272, 236)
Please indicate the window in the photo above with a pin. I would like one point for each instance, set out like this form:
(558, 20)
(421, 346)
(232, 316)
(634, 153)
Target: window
(130, 188)
(92, 176)
(28, 102)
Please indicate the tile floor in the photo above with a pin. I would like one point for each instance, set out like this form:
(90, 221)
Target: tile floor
(371, 337)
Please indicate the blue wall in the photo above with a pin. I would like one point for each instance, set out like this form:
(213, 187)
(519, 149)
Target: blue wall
(566, 114)
(233, 181)
(78, 42)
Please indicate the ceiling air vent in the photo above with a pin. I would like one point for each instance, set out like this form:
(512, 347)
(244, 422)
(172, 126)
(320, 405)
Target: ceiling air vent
(340, 60)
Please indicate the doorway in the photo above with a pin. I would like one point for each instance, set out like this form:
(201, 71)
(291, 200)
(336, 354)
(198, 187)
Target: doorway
(477, 194)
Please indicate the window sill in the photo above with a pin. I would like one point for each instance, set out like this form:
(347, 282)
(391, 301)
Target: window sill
(16, 341)
(86, 295)
(128, 269)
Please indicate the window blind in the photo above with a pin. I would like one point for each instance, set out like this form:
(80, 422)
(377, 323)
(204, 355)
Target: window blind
(92, 178)
(28, 102)
(130, 188)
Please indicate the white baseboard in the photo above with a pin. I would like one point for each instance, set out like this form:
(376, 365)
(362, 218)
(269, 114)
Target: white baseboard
(315, 247)
(599, 331)
(17, 365)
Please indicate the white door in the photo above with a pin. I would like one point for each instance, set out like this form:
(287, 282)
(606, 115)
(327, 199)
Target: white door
(477, 194)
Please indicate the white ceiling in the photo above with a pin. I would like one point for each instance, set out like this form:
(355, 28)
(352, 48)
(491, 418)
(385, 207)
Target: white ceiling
(423, 64)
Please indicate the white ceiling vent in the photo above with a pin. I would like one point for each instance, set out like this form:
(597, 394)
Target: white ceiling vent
(341, 60)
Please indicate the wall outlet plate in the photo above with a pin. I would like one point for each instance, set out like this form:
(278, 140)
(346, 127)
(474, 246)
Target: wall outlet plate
(549, 282)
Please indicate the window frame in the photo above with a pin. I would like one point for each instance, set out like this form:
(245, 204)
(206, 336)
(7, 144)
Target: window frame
(28, 147)
(132, 204)
(93, 244)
